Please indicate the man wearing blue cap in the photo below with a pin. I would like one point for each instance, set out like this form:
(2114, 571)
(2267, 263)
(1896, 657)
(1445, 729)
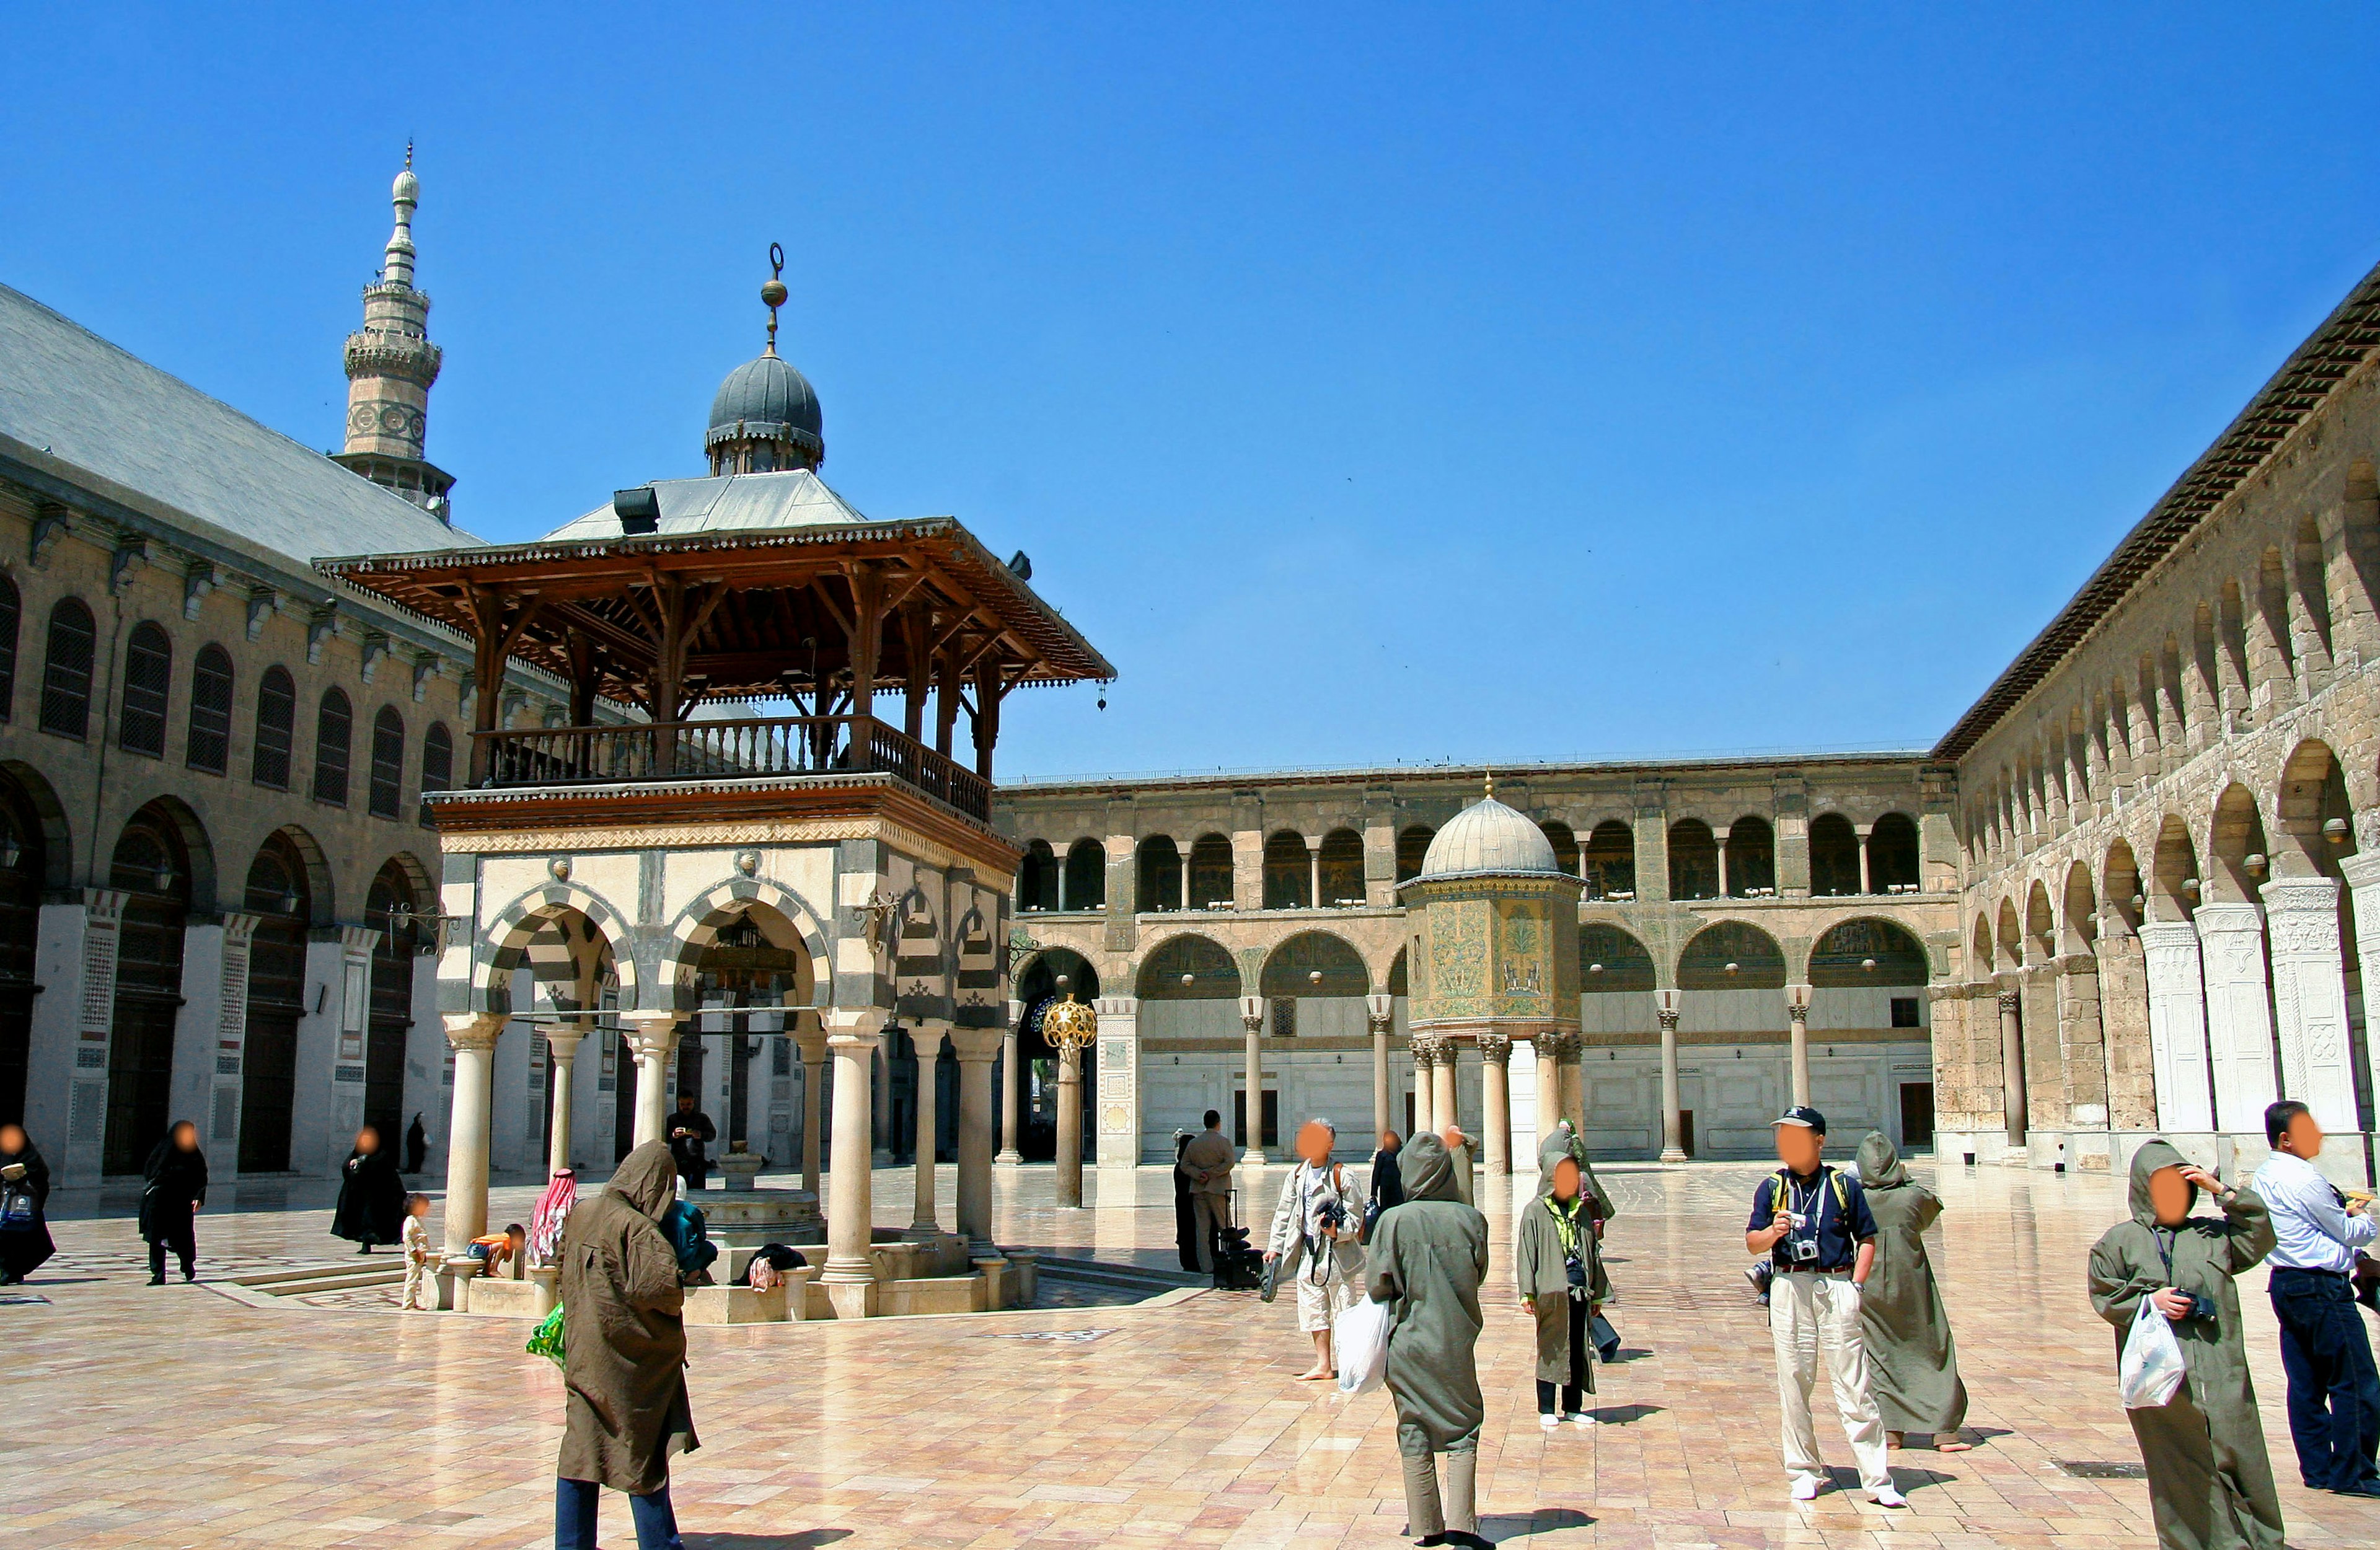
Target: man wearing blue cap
(1815, 1226)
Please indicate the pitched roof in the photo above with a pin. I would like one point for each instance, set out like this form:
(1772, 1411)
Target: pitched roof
(2341, 344)
(727, 504)
(95, 407)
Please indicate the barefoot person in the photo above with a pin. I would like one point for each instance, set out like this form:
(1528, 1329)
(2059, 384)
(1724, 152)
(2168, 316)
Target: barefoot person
(1429, 1257)
(1912, 1365)
(1314, 1232)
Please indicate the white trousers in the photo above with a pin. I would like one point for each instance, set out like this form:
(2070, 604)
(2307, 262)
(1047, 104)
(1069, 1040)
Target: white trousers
(420, 1291)
(1811, 1316)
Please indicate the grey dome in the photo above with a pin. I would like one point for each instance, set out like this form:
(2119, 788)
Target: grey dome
(766, 400)
(1489, 837)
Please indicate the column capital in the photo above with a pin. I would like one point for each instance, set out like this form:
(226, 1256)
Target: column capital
(563, 1039)
(856, 1026)
(2307, 894)
(1556, 1046)
(2360, 871)
(1669, 1018)
(1495, 1048)
(652, 1034)
(1799, 1012)
(1797, 1000)
(474, 1030)
(977, 1045)
(2010, 1000)
(928, 1032)
(1424, 1050)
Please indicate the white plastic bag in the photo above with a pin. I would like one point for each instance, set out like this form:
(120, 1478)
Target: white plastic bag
(1359, 1337)
(2152, 1367)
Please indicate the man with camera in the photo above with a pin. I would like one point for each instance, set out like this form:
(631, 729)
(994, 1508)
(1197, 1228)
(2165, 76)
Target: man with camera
(1815, 1226)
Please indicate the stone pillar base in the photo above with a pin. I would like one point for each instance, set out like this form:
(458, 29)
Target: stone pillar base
(851, 1299)
(1672, 1155)
(1009, 1158)
(454, 1279)
(994, 1271)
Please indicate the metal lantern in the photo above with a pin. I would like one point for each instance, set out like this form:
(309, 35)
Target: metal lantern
(1070, 1025)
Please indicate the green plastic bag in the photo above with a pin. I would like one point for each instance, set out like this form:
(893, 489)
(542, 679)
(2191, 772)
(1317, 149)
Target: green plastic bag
(547, 1340)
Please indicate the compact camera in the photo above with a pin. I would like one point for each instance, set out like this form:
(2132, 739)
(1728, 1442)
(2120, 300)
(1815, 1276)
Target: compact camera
(1801, 1251)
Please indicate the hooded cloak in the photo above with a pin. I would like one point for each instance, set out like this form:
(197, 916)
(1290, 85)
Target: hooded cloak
(2210, 1478)
(1427, 1259)
(1912, 1364)
(23, 1249)
(624, 1369)
(1540, 1266)
(371, 1199)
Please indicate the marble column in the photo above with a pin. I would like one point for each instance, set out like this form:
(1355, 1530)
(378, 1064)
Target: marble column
(880, 1120)
(978, 1048)
(2011, 1003)
(2310, 997)
(928, 1035)
(1797, 1009)
(1424, 1054)
(1552, 1049)
(1445, 1099)
(2239, 1014)
(1496, 1102)
(1314, 873)
(1673, 1124)
(2081, 1042)
(811, 1039)
(2178, 1025)
(2362, 875)
(562, 1042)
(1867, 874)
(652, 1037)
(1252, 1016)
(1069, 1152)
(1012, 1063)
(1381, 1017)
(853, 1038)
(473, 1040)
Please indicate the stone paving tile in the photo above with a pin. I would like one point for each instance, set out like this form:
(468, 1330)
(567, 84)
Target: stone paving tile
(175, 1416)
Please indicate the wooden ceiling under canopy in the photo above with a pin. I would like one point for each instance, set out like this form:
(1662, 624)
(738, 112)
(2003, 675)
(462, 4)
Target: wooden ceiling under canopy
(745, 615)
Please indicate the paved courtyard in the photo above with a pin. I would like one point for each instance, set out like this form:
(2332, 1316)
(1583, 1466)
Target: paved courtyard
(178, 1416)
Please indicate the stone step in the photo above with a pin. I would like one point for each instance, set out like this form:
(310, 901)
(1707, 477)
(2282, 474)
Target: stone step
(1148, 1279)
(330, 1280)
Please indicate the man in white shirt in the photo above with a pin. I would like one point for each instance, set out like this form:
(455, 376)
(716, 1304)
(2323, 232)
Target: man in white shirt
(2334, 1390)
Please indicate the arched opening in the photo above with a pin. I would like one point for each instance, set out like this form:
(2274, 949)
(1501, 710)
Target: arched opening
(1342, 869)
(1288, 884)
(1732, 956)
(276, 729)
(1037, 878)
(1609, 862)
(147, 682)
(2313, 586)
(280, 894)
(2122, 885)
(1188, 968)
(1085, 883)
(209, 748)
(1610, 962)
(749, 980)
(1324, 973)
(2010, 936)
(2177, 882)
(386, 793)
(1210, 873)
(2078, 916)
(1565, 844)
(1892, 858)
(1867, 974)
(2040, 926)
(1834, 857)
(1693, 860)
(2237, 839)
(24, 860)
(389, 908)
(152, 866)
(2317, 823)
(1157, 875)
(1413, 846)
(335, 723)
(1050, 979)
(437, 765)
(12, 613)
(1750, 859)
(1979, 963)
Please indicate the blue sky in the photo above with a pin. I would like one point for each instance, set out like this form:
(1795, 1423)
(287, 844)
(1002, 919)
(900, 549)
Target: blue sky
(1371, 383)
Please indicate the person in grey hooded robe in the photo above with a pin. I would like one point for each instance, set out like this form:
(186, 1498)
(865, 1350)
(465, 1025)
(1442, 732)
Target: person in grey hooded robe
(2210, 1478)
(1912, 1363)
(1427, 1259)
(1557, 1232)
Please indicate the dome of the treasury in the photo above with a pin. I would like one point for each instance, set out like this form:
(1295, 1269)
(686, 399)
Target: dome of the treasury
(1489, 837)
(766, 400)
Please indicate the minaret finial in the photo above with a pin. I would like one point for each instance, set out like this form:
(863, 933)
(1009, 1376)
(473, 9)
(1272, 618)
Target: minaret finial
(1491, 785)
(772, 292)
(408, 153)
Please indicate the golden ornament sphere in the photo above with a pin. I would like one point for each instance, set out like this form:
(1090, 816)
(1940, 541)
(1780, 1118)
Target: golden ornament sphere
(1071, 1023)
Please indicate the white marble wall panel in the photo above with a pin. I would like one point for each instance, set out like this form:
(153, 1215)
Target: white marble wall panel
(2239, 1014)
(2310, 997)
(2178, 1025)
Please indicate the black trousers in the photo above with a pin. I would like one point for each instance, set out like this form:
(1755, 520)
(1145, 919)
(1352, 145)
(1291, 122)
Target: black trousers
(181, 1235)
(2334, 1391)
(1573, 1393)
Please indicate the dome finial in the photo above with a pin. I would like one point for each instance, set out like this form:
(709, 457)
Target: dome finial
(408, 153)
(772, 292)
(1491, 784)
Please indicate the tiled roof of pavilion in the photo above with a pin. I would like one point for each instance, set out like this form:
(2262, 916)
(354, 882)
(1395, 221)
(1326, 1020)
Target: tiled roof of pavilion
(2344, 342)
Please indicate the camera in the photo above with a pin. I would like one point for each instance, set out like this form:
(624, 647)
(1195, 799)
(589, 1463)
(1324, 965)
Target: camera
(1801, 1251)
(1576, 1270)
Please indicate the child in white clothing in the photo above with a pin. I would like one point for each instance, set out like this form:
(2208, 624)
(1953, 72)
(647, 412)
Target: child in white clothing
(414, 1241)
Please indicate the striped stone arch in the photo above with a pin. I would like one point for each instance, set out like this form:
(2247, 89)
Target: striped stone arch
(514, 940)
(721, 905)
(921, 962)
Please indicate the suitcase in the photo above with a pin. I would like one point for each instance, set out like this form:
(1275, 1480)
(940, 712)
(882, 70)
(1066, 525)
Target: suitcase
(1238, 1267)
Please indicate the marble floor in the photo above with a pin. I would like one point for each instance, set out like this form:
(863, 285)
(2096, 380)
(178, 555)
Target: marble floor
(179, 1416)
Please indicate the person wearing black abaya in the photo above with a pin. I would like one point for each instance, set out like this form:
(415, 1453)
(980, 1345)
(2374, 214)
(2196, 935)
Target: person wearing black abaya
(417, 1146)
(176, 1188)
(1185, 1215)
(24, 1180)
(371, 1196)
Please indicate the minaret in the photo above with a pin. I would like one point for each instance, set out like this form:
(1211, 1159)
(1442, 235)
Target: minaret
(391, 364)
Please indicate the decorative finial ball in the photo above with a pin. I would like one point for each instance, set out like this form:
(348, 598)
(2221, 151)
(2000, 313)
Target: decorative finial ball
(1070, 1023)
(1313, 976)
(773, 293)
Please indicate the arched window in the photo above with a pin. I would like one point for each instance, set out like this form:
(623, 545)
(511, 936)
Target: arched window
(1086, 877)
(1693, 860)
(388, 762)
(1287, 868)
(1607, 861)
(1342, 869)
(209, 745)
(12, 609)
(1750, 859)
(148, 675)
(1159, 878)
(1210, 873)
(1834, 856)
(1892, 857)
(1413, 846)
(333, 728)
(1036, 878)
(1565, 844)
(437, 764)
(66, 676)
(276, 728)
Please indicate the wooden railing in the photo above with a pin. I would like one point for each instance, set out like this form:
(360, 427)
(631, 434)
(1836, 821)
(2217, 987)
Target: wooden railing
(724, 751)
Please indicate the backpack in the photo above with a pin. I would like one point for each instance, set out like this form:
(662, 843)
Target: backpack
(1780, 1194)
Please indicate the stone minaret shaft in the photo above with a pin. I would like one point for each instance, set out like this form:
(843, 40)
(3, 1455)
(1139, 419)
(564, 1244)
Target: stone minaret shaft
(391, 364)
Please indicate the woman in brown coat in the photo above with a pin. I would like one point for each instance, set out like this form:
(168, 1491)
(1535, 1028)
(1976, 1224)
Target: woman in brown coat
(623, 1363)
